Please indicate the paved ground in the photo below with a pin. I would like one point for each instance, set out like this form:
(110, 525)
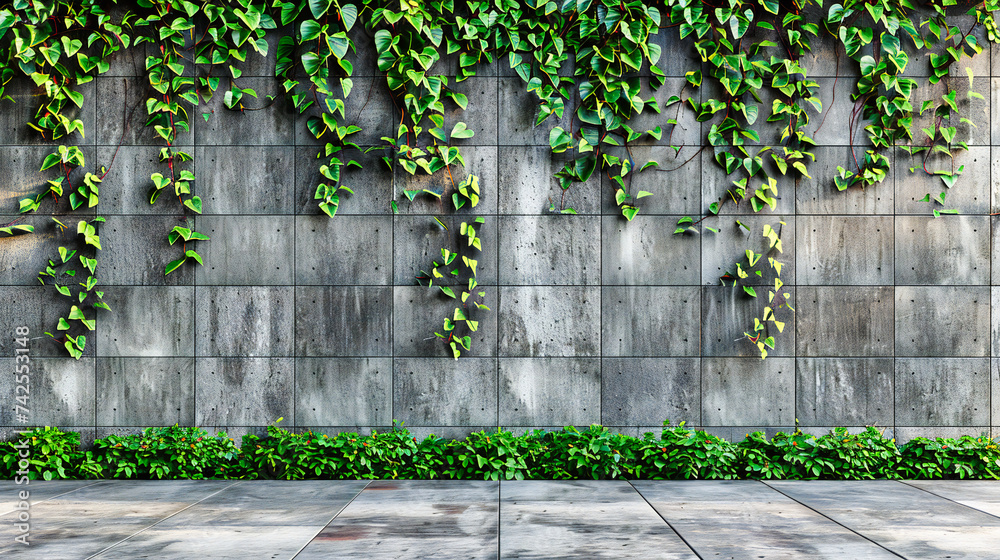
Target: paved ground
(531, 519)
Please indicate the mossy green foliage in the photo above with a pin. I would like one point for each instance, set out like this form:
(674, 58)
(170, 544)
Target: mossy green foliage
(594, 453)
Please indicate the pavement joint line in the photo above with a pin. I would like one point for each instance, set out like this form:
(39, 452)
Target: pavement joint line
(56, 496)
(949, 499)
(327, 524)
(676, 532)
(107, 548)
(825, 516)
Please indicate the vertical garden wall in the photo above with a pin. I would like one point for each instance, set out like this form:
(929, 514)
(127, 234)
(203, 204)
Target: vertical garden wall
(573, 287)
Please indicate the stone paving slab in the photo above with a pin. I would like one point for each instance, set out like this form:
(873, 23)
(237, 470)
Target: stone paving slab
(546, 519)
(904, 519)
(250, 520)
(450, 519)
(746, 519)
(38, 491)
(983, 495)
(86, 521)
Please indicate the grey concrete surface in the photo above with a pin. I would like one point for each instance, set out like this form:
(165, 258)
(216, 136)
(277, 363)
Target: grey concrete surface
(424, 519)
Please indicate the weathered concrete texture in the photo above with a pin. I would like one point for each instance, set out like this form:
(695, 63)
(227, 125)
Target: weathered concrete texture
(418, 241)
(741, 391)
(244, 521)
(832, 127)
(746, 519)
(549, 391)
(343, 391)
(343, 321)
(844, 391)
(419, 312)
(637, 392)
(127, 188)
(121, 115)
(728, 314)
(19, 166)
(267, 127)
(138, 391)
(687, 131)
(716, 183)
(670, 180)
(529, 187)
(550, 250)
(136, 252)
(348, 250)
(912, 527)
(244, 321)
(24, 255)
(246, 250)
(844, 321)
(942, 391)
(372, 185)
(369, 106)
(970, 195)
(60, 391)
(983, 495)
(25, 99)
(445, 392)
(842, 250)
(721, 251)
(243, 391)
(245, 179)
(942, 321)
(517, 123)
(646, 252)
(549, 321)
(480, 161)
(817, 194)
(480, 115)
(38, 308)
(651, 321)
(550, 519)
(414, 519)
(949, 250)
(147, 321)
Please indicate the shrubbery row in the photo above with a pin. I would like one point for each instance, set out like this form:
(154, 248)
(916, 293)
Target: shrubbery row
(594, 453)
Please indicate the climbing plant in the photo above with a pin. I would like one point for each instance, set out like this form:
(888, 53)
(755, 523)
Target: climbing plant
(593, 67)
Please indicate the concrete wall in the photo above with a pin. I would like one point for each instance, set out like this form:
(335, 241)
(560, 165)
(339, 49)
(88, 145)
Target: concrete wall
(319, 320)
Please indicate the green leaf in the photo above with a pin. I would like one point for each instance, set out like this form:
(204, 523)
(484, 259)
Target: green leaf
(749, 290)
(460, 131)
(194, 203)
(174, 265)
(349, 14)
(319, 7)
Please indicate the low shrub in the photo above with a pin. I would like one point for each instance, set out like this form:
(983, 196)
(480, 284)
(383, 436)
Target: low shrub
(593, 453)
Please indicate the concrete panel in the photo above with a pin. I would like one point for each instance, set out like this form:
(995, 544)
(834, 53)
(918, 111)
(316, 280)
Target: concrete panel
(145, 391)
(645, 252)
(245, 179)
(845, 250)
(343, 321)
(651, 321)
(444, 391)
(942, 391)
(19, 166)
(687, 131)
(418, 240)
(679, 55)
(419, 312)
(942, 321)
(266, 127)
(480, 161)
(721, 251)
(369, 106)
(906, 433)
(715, 184)
(243, 391)
(832, 126)
(343, 250)
(127, 188)
(549, 321)
(728, 313)
(747, 391)
(819, 194)
(844, 321)
(519, 111)
(249, 321)
(970, 195)
(550, 250)
(670, 181)
(942, 251)
(343, 391)
(38, 308)
(976, 494)
(372, 184)
(636, 391)
(527, 186)
(147, 321)
(246, 250)
(549, 391)
(121, 115)
(24, 255)
(136, 251)
(25, 99)
(480, 115)
(842, 391)
(61, 391)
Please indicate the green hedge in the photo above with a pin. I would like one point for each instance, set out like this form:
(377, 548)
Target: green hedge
(598, 453)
